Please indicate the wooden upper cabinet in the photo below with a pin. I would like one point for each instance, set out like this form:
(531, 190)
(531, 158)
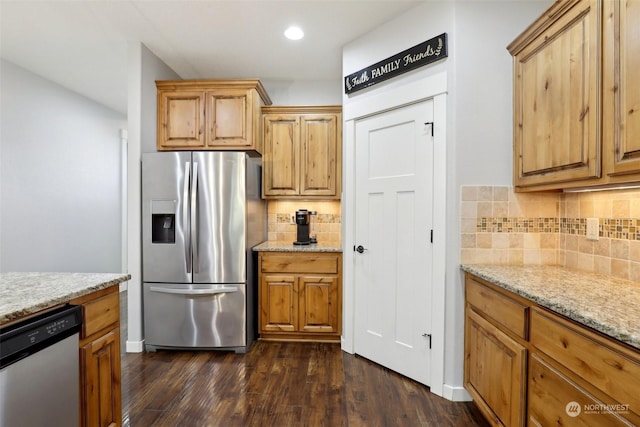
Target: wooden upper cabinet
(210, 115)
(577, 97)
(622, 88)
(319, 155)
(181, 119)
(557, 81)
(281, 155)
(302, 152)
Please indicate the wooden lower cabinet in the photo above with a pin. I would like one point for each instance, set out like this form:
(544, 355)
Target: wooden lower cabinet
(300, 296)
(495, 371)
(278, 303)
(101, 384)
(495, 368)
(556, 372)
(100, 374)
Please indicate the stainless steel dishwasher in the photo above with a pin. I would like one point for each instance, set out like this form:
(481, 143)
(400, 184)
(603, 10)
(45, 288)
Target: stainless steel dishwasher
(39, 370)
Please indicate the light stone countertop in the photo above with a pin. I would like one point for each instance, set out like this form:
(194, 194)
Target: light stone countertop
(22, 294)
(286, 246)
(604, 303)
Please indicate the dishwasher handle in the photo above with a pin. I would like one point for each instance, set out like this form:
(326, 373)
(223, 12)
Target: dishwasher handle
(209, 291)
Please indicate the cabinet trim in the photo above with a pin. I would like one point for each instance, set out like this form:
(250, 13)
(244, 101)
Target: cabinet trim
(216, 84)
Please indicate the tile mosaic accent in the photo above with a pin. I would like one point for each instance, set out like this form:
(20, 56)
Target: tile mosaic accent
(285, 218)
(628, 228)
(614, 228)
(518, 225)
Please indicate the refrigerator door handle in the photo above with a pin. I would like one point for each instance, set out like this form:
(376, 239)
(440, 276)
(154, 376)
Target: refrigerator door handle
(212, 291)
(185, 216)
(194, 219)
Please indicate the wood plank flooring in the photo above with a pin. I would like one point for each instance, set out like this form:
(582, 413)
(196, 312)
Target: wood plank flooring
(280, 385)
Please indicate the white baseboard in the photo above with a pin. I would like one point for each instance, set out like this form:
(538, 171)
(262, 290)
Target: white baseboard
(135, 346)
(344, 346)
(456, 394)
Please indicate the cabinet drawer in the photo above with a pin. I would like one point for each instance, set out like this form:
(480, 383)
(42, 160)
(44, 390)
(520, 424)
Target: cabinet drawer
(556, 400)
(504, 310)
(100, 314)
(295, 263)
(601, 362)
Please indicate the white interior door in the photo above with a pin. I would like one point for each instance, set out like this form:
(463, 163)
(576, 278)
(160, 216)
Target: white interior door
(394, 219)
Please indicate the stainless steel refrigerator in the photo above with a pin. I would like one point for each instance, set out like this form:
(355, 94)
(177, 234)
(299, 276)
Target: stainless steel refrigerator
(201, 215)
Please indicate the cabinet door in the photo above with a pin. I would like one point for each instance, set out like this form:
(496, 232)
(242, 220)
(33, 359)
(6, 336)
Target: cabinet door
(319, 155)
(101, 395)
(494, 371)
(556, 100)
(281, 175)
(622, 87)
(180, 119)
(554, 399)
(229, 119)
(319, 304)
(278, 303)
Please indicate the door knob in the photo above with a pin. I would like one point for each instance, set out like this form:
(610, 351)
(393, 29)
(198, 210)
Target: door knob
(360, 249)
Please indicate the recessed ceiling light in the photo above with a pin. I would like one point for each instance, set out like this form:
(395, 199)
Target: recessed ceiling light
(294, 33)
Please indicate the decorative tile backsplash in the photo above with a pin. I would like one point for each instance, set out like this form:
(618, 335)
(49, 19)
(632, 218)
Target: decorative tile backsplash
(500, 226)
(281, 214)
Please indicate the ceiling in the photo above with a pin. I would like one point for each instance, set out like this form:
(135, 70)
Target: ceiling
(82, 45)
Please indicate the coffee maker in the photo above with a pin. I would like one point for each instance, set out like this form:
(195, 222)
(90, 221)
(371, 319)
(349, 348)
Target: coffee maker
(303, 218)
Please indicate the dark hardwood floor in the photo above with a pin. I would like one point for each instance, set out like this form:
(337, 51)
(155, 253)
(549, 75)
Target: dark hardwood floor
(278, 384)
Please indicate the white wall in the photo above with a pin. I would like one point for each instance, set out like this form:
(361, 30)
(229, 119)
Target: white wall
(59, 178)
(144, 69)
(484, 101)
(304, 92)
(483, 130)
(479, 114)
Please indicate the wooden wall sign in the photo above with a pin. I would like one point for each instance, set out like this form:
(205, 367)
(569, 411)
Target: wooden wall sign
(407, 60)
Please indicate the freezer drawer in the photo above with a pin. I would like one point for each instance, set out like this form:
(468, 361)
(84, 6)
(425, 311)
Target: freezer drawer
(195, 315)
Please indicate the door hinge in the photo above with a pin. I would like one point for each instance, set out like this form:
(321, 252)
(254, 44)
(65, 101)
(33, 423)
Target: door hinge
(428, 336)
(432, 126)
(431, 235)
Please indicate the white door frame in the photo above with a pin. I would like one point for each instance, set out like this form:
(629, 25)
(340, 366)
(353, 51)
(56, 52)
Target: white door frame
(429, 87)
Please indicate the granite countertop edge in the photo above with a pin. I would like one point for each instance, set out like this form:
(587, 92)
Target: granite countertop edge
(603, 303)
(25, 293)
(286, 246)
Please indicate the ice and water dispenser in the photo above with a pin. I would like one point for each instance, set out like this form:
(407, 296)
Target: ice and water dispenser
(163, 221)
